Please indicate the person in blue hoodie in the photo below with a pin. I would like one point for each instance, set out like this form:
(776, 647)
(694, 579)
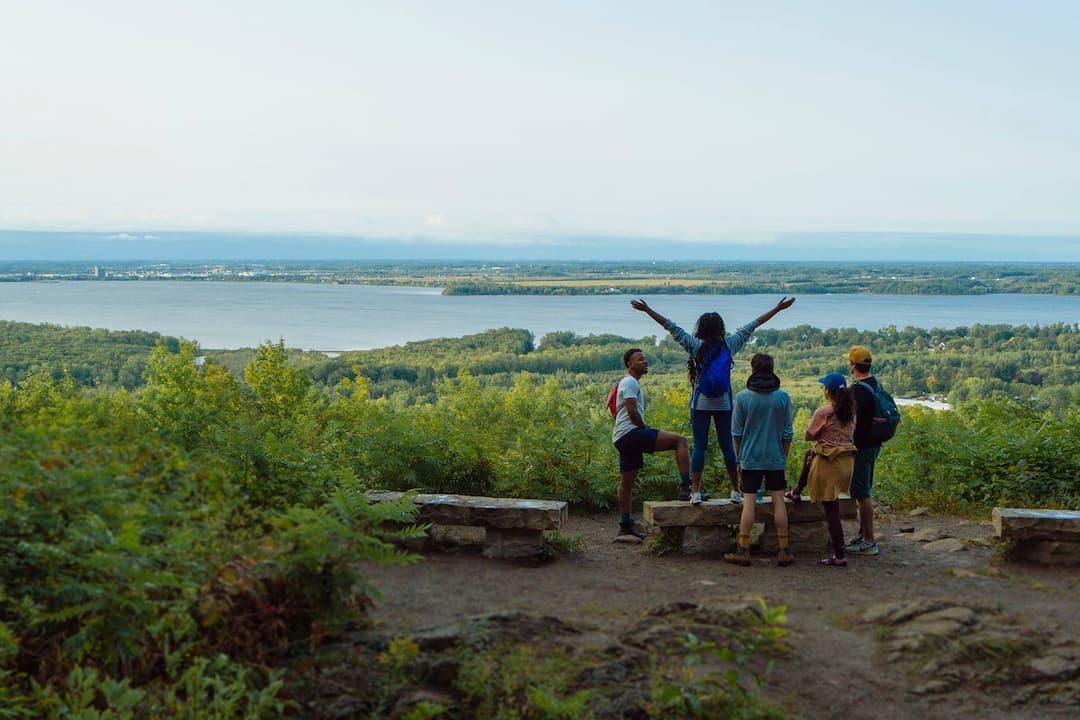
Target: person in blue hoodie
(761, 428)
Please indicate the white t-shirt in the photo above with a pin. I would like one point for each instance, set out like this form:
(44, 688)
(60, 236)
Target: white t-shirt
(628, 388)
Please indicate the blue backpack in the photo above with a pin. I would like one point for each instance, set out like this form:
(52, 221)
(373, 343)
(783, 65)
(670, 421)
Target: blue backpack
(886, 415)
(714, 378)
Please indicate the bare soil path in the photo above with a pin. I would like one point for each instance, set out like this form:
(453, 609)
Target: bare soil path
(915, 632)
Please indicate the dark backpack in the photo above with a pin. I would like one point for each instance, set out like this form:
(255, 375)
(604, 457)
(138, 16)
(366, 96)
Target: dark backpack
(714, 373)
(886, 415)
(613, 399)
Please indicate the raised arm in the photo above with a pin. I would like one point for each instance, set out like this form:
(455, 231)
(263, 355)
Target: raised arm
(643, 306)
(784, 304)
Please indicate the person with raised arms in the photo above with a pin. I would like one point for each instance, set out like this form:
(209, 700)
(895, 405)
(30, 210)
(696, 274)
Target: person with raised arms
(710, 351)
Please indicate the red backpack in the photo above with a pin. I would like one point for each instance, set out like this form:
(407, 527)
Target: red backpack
(613, 398)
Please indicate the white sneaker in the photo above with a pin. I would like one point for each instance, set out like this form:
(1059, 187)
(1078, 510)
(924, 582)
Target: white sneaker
(695, 498)
(736, 497)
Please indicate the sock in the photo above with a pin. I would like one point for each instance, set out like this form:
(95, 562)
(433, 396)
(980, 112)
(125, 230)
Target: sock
(626, 520)
(684, 479)
(744, 541)
(781, 540)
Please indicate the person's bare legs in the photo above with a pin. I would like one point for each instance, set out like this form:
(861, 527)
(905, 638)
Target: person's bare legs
(626, 489)
(678, 443)
(695, 481)
(780, 519)
(866, 519)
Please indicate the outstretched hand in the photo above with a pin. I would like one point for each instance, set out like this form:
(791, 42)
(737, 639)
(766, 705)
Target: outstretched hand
(785, 303)
(639, 304)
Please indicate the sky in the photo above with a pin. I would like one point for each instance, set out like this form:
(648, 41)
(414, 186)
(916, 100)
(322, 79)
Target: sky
(518, 122)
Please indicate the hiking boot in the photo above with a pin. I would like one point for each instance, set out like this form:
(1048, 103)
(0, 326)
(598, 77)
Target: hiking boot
(855, 542)
(864, 548)
(736, 497)
(629, 530)
(741, 556)
(684, 492)
(784, 558)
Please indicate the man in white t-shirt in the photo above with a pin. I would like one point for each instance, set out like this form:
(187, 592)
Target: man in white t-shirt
(632, 438)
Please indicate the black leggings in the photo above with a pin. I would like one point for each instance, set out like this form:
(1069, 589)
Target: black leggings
(836, 530)
(804, 474)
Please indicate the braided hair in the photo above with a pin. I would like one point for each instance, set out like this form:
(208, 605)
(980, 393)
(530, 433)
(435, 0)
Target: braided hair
(710, 330)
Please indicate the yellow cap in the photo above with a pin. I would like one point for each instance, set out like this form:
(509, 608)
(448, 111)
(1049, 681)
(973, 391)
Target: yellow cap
(859, 354)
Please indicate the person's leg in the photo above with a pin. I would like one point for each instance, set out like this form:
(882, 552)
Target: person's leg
(804, 474)
(775, 483)
(671, 441)
(862, 482)
(836, 528)
(626, 489)
(699, 427)
(722, 419)
(751, 481)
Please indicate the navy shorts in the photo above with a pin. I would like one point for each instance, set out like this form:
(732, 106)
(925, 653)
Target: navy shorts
(773, 479)
(632, 447)
(862, 475)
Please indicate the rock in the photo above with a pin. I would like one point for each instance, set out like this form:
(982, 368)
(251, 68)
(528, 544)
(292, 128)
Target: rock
(515, 543)
(928, 535)
(1048, 552)
(698, 540)
(1055, 667)
(627, 539)
(931, 688)
(1026, 524)
(894, 613)
(907, 529)
(946, 545)
(411, 699)
(919, 511)
(802, 537)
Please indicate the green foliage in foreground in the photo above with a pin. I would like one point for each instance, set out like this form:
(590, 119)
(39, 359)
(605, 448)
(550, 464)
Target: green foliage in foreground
(164, 548)
(145, 574)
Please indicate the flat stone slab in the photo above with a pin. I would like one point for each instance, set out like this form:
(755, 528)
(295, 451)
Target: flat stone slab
(1029, 524)
(680, 513)
(487, 512)
(1049, 552)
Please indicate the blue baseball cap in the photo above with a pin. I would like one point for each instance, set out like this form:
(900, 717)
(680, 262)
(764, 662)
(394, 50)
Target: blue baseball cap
(833, 380)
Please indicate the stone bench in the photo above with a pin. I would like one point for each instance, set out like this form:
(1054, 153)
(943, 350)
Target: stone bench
(513, 528)
(1050, 537)
(707, 528)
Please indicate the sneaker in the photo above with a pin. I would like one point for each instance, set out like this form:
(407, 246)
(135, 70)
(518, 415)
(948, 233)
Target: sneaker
(736, 497)
(833, 562)
(741, 556)
(855, 542)
(784, 558)
(793, 496)
(687, 494)
(865, 548)
(695, 499)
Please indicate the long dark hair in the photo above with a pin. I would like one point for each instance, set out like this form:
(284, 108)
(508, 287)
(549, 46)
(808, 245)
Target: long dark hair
(843, 404)
(709, 329)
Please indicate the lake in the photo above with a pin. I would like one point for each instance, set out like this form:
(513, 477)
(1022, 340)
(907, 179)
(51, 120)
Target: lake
(357, 317)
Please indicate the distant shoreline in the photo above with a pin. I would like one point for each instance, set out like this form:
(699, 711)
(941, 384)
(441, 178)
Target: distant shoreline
(593, 278)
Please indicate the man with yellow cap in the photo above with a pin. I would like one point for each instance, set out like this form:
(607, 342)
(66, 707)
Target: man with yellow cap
(862, 478)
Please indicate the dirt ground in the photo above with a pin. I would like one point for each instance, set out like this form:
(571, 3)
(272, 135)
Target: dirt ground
(849, 657)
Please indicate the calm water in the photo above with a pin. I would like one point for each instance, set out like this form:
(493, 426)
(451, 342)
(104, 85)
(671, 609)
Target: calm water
(356, 317)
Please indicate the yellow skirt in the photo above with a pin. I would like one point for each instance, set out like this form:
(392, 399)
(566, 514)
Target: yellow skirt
(830, 471)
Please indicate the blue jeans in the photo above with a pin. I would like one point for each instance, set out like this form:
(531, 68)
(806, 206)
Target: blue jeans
(700, 420)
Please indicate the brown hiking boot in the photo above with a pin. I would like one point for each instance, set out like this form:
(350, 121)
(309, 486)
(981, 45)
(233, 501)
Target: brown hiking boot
(741, 556)
(784, 558)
